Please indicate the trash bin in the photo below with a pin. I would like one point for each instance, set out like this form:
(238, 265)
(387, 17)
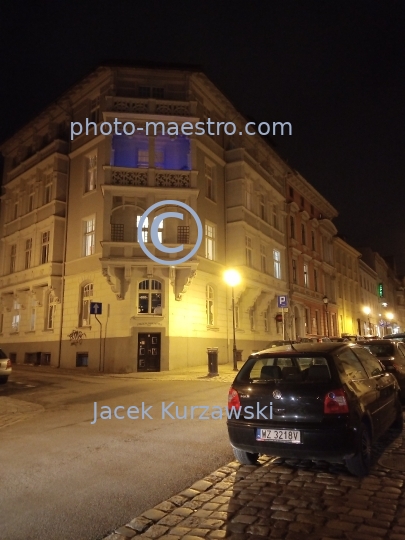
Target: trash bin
(212, 361)
(239, 355)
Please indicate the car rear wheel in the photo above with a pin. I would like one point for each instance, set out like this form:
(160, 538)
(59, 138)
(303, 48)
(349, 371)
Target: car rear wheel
(3, 380)
(246, 458)
(360, 463)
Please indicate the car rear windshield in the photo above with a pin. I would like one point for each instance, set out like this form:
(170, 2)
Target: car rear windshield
(381, 349)
(3, 355)
(294, 368)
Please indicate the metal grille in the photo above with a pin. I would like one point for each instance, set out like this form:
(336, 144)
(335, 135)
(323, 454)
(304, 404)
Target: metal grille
(117, 232)
(183, 234)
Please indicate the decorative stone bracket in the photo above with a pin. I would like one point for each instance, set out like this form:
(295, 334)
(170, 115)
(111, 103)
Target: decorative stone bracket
(181, 278)
(119, 278)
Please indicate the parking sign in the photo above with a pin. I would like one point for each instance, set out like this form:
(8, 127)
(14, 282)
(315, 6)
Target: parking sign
(282, 301)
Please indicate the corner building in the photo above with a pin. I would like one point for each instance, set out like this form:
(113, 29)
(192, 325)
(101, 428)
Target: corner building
(69, 216)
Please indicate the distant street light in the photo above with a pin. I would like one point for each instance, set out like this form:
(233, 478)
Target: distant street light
(325, 303)
(232, 278)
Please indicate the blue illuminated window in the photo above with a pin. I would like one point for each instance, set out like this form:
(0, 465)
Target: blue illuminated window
(131, 151)
(172, 153)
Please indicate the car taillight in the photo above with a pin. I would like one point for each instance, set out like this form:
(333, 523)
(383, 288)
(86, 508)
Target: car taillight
(233, 400)
(8, 363)
(335, 402)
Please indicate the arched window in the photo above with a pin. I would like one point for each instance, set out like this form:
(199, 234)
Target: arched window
(86, 298)
(209, 305)
(150, 296)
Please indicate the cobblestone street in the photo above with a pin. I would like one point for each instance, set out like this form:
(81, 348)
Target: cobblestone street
(285, 499)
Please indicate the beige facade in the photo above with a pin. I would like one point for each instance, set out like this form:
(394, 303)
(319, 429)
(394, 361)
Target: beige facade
(368, 300)
(69, 217)
(348, 293)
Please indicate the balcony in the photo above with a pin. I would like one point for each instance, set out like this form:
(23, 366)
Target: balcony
(151, 106)
(156, 178)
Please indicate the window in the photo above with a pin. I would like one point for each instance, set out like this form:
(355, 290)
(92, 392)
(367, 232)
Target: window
(266, 321)
(117, 232)
(45, 247)
(82, 359)
(263, 259)
(275, 217)
(48, 189)
(306, 280)
(291, 192)
(313, 241)
(252, 319)
(50, 320)
(209, 181)
(294, 270)
(15, 321)
(89, 236)
(312, 209)
(86, 298)
(150, 296)
(143, 158)
(15, 211)
(154, 92)
(316, 280)
(292, 227)
(262, 207)
(91, 172)
(277, 263)
(369, 361)
(307, 321)
(28, 249)
(183, 234)
(317, 327)
(209, 305)
(349, 364)
(210, 240)
(145, 229)
(302, 202)
(249, 195)
(31, 194)
(303, 235)
(13, 257)
(33, 318)
(95, 110)
(248, 250)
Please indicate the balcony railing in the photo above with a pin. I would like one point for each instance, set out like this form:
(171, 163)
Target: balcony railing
(151, 106)
(122, 176)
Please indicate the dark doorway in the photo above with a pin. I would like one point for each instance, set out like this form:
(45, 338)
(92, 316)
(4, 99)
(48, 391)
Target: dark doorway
(148, 352)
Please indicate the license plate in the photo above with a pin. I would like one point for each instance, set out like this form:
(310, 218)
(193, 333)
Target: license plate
(279, 435)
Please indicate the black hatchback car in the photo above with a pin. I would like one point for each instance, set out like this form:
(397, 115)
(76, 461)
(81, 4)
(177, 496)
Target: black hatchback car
(392, 355)
(321, 401)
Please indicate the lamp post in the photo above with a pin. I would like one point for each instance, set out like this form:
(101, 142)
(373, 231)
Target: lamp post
(367, 311)
(232, 278)
(325, 303)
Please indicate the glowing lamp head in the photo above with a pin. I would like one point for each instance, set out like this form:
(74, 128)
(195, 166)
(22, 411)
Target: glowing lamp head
(367, 310)
(390, 316)
(232, 277)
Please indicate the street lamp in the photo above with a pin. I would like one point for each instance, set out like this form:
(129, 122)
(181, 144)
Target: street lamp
(232, 278)
(367, 311)
(325, 303)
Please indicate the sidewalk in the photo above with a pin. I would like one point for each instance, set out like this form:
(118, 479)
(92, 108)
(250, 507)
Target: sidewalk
(14, 410)
(285, 499)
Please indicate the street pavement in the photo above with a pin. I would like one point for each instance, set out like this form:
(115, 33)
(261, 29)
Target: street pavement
(278, 499)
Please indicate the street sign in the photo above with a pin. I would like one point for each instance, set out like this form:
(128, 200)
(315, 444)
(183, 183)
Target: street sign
(282, 301)
(96, 308)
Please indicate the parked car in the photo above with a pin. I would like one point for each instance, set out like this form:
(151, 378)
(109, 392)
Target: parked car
(314, 339)
(326, 401)
(398, 337)
(5, 367)
(279, 343)
(392, 354)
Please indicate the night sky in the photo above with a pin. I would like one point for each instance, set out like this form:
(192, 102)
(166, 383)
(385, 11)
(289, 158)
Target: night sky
(334, 69)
